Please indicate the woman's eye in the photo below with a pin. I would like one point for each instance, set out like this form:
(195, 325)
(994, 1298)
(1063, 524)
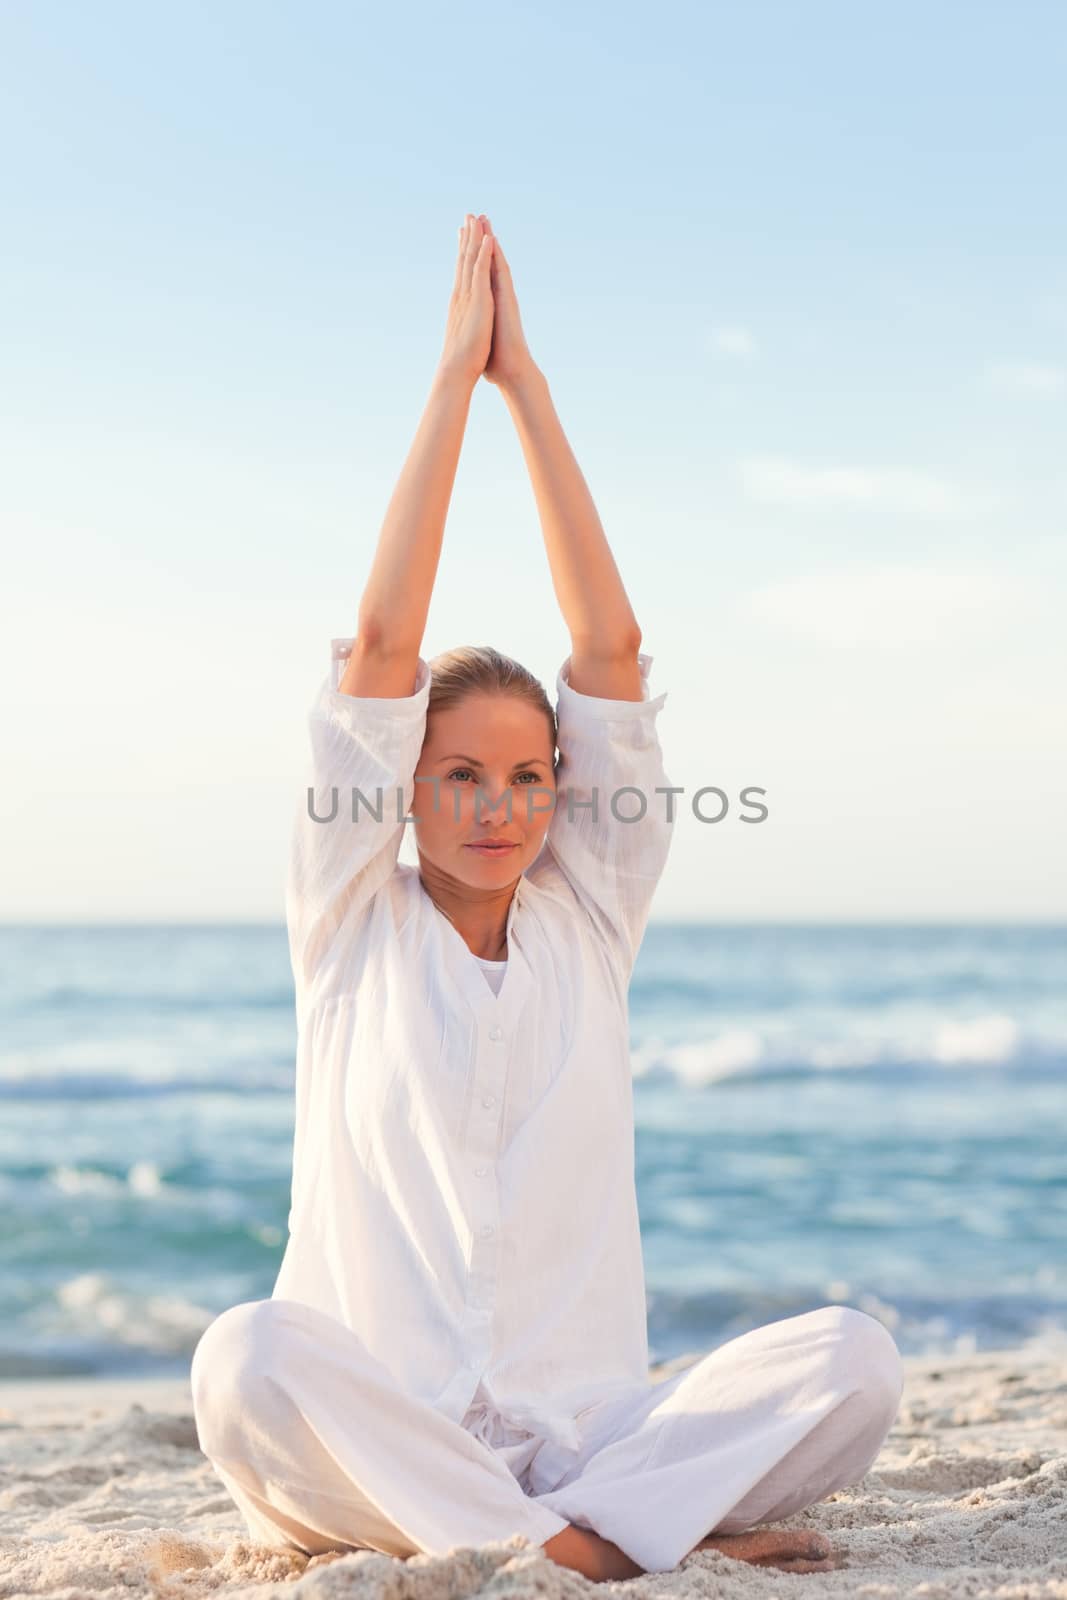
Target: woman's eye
(452, 774)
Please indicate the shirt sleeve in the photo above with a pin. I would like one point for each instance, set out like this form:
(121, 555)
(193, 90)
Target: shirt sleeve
(336, 866)
(611, 852)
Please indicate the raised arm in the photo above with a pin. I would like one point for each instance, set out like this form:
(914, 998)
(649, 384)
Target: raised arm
(368, 722)
(605, 637)
(606, 861)
(396, 599)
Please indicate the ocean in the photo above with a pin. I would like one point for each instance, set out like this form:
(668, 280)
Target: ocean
(869, 1115)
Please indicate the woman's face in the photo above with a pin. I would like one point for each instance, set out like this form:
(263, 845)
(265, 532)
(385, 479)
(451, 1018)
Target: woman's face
(485, 754)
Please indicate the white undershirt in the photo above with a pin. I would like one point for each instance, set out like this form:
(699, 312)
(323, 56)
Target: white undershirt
(494, 972)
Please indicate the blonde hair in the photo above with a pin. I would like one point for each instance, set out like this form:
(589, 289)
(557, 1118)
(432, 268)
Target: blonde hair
(479, 669)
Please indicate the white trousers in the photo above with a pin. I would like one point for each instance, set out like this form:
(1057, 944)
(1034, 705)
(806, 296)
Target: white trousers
(321, 1449)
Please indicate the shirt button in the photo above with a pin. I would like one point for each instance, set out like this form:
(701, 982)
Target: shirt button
(489, 1100)
(496, 1033)
(480, 1172)
(487, 1231)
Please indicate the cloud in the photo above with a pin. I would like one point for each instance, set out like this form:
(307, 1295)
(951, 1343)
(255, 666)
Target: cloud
(1030, 377)
(889, 607)
(779, 481)
(733, 341)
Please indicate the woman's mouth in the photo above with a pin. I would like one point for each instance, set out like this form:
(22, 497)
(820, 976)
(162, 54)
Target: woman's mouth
(492, 849)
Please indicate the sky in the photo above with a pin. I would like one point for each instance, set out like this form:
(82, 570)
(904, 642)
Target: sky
(797, 277)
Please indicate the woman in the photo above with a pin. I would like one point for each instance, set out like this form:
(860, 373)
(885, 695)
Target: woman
(455, 1350)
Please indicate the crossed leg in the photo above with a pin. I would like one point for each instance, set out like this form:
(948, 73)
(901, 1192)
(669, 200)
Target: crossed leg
(321, 1449)
(763, 1427)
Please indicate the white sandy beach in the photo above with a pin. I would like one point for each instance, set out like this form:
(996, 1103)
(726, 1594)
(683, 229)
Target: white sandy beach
(104, 1493)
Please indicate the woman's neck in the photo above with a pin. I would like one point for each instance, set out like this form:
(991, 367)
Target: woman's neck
(479, 916)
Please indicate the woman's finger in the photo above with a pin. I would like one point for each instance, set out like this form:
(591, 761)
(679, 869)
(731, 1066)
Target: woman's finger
(473, 239)
(505, 287)
(461, 257)
(457, 282)
(501, 261)
(480, 284)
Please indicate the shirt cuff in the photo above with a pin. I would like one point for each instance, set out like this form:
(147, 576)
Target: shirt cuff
(355, 711)
(572, 703)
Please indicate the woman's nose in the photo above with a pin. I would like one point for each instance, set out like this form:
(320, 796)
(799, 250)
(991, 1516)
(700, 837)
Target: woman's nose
(494, 791)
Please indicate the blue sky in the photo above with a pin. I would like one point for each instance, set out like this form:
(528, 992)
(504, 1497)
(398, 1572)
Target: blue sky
(797, 277)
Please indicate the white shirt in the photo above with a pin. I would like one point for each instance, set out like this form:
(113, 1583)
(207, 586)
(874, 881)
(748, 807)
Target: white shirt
(463, 1190)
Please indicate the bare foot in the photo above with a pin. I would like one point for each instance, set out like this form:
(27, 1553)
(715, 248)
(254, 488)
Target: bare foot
(791, 1549)
(586, 1552)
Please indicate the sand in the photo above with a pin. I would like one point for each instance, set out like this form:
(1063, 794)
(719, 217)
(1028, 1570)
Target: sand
(104, 1493)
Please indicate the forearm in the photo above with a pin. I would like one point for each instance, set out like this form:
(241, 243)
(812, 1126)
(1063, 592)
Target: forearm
(396, 599)
(586, 580)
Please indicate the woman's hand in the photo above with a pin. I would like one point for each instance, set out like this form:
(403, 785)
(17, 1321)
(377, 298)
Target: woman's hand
(509, 358)
(469, 334)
